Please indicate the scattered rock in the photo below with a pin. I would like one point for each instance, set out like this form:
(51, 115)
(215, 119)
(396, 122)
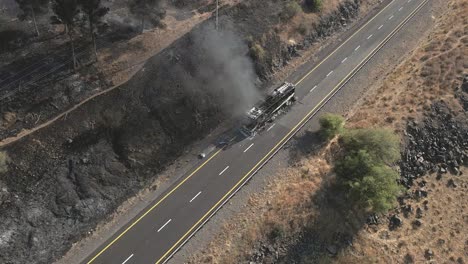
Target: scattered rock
(373, 219)
(407, 210)
(438, 143)
(451, 183)
(417, 223)
(408, 259)
(419, 213)
(395, 222)
(332, 250)
(428, 254)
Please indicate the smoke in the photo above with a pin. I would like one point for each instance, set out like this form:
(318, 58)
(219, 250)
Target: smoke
(224, 68)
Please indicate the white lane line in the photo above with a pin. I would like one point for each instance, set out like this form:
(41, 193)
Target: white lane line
(248, 147)
(329, 73)
(191, 200)
(345, 59)
(370, 36)
(168, 221)
(380, 26)
(401, 8)
(390, 18)
(357, 48)
(409, 1)
(313, 88)
(224, 170)
(127, 259)
(271, 127)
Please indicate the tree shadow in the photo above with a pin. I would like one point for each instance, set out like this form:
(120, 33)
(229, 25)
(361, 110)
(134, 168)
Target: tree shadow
(306, 145)
(332, 228)
(335, 219)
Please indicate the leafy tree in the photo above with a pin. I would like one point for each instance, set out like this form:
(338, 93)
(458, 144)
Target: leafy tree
(94, 12)
(66, 12)
(364, 168)
(354, 165)
(147, 10)
(377, 189)
(32, 8)
(382, 144)
(3, 162)
(331, 125)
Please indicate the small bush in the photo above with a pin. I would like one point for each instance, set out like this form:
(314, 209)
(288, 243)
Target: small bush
(290, 10)
(331, 125)
(276, 232)
(302, 29)
(314, 5)
(257, 52)
(3, 162)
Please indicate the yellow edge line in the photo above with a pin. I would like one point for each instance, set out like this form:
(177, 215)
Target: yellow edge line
(203, 164)
(346, 41)
(154, 206)
(287, 135)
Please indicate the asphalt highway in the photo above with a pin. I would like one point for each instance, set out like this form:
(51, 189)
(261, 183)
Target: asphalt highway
(162, 228)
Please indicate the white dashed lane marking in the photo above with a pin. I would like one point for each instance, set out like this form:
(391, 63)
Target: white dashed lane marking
(344, 60)
(271, 127)
(380, 26)
(161, 228)
(370, 36)
(224, 170)
(191, 200)
(248, 147)
(329, 73)
(127, 259)
(390, 18)
(357, 48)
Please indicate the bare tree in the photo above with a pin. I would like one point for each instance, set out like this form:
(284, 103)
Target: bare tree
(66, 12)
(32, 8)
(147, 10)
(94, 12)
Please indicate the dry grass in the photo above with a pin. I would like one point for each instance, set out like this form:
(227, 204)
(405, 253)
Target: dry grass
(444, 229)
(284, 206)
(3, 162)
(429, 74)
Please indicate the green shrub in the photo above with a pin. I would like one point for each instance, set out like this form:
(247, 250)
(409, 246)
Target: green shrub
(257, 52)
(382, 144)
(376, 190)
(314, 5)
(354, 165)
(290, 10)
(3, 162)
(331, 125)
(364, 168)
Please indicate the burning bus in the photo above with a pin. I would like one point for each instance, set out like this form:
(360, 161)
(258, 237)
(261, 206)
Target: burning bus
(268, 109)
